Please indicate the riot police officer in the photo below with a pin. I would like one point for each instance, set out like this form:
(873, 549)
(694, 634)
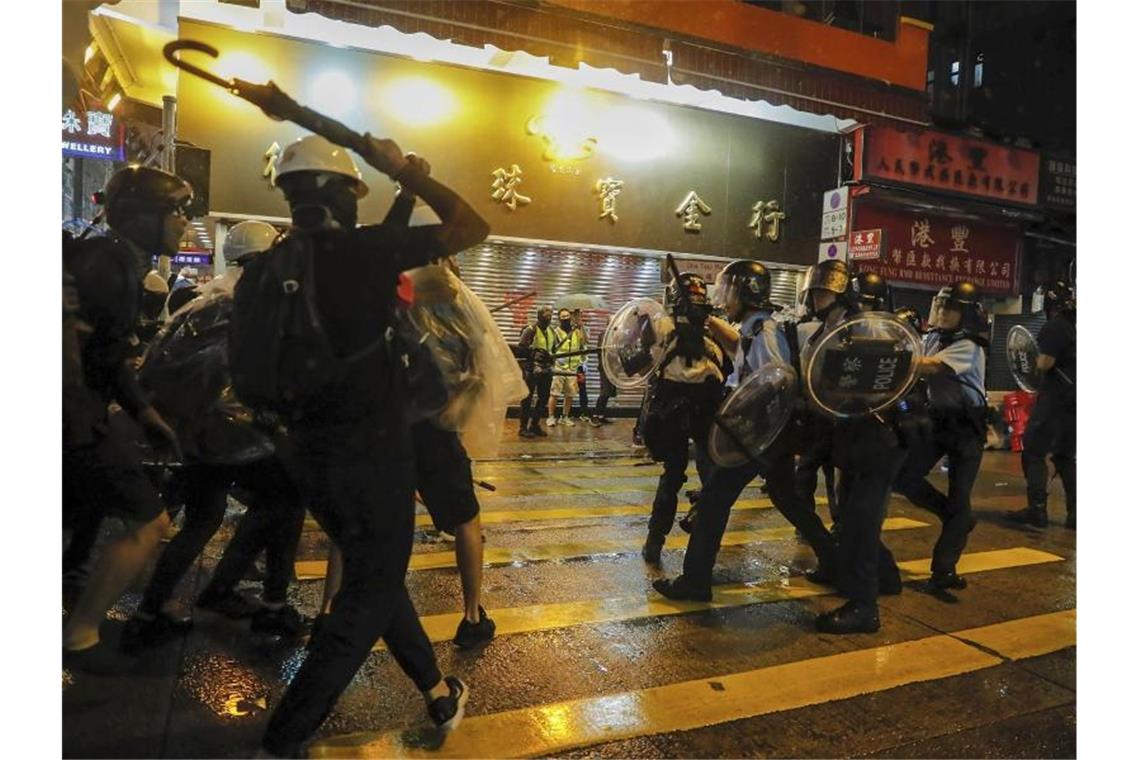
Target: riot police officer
(868, 453)
(954, 368)
(684, 399)
(744, 288)
(1052, 427)
(537, 348)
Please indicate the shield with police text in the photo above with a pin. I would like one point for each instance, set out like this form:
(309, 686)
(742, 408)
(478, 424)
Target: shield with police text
(861, 366)
(1021, 352)
(633, 344)
(753, 415)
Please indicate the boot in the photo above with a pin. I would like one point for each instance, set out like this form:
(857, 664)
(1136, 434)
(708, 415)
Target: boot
(1031, 516)
(947, 580)
(852, 617)
(651, 551)
(536, 430)
(689, 521)
(682, 589)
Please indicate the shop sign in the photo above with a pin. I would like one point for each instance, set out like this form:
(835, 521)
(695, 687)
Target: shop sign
(934, 250)
(706, 269)
(1059, 183)
(834, 223)
(832, 251)
(94, 134)
(949, 163)
(865, 244)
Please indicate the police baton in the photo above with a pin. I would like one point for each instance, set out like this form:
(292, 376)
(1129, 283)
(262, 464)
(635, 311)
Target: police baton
(513, 301)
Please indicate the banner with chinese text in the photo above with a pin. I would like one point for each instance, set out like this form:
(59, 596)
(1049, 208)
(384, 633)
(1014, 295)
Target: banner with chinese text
(950, 163)
(94, 134)
(933, 250)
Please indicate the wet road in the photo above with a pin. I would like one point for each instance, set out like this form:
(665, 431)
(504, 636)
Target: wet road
(589, 661)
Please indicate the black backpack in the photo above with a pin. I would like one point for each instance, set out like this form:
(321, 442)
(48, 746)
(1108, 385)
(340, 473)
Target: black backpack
(280, 356)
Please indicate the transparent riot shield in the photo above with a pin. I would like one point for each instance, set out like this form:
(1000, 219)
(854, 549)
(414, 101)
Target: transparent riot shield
(632, 348)
(1021, 352)
(753, 415)
(861, 366)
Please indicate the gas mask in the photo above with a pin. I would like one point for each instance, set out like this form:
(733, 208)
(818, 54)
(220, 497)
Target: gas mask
(321, 202)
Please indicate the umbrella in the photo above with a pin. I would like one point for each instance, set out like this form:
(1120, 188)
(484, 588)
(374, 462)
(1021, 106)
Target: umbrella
(580, 301)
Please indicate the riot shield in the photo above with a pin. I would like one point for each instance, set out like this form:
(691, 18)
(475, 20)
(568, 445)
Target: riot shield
(861, 366)
(753, 415)
(1021, 352)
(632, 347)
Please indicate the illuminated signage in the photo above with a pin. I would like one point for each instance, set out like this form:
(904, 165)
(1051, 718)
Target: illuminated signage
(95, 134)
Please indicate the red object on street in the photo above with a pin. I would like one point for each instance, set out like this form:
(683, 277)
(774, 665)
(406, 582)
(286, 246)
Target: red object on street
(1016, 408)
(405, 291)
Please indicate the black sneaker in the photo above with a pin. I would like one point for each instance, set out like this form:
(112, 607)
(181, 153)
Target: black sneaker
(537, 432)
(231, 605)
(470, 634)
(140, 633)
(285, 622)
(447, 712)
(1034, 517)
(682, 589)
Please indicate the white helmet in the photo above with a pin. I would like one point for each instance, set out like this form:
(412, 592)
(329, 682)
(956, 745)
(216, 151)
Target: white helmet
(250, 236)
(316, 154)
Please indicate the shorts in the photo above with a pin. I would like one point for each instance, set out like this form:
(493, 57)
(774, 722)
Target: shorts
(564, 385)
(107, 478)
(443, 476)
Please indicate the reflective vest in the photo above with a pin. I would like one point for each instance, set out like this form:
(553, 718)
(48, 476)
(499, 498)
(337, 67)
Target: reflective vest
(544, 339)
(565, 342)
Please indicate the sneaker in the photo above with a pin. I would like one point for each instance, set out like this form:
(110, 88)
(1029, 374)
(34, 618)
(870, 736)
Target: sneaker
(231, 605)
(551, 422)
(140, 633)
(447, 712)
(469, 634)
(285, 622)
(566, 421)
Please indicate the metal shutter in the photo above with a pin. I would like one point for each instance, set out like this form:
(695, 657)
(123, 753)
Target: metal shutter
(499, 271)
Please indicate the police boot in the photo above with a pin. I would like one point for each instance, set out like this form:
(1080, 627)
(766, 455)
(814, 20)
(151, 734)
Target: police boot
(1031, 516)
(852, 617)
(651, 551)
(683, 590)
(689, 522)
(536, 430)
(947, 580)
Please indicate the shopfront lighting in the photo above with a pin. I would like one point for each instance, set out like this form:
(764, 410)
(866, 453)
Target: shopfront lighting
(635, 133)
(113, 103)
(418, 101)
(89, 53)
(333, 92)
(567, 126)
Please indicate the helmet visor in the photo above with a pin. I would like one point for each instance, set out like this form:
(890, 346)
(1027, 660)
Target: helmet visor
(828, 279)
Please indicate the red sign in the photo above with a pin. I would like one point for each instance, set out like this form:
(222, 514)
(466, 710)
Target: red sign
(932, 250)
(865, 244)
(950, 163)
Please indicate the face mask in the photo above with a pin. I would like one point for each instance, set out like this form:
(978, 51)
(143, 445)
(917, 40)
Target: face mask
(332, 206)
(543, 321)
(565, 324)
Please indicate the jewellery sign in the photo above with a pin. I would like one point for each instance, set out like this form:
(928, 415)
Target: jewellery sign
(95, 134)
(865, 244)
(927, 249)
(954, 164)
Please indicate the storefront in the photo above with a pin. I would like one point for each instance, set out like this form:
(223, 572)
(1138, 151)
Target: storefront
(930, 209)
(585, 189)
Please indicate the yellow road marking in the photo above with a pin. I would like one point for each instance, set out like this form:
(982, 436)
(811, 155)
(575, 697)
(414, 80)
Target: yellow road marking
(543, 490)
(559, 727)
(599, 473)
(314, 569)
(543, 617)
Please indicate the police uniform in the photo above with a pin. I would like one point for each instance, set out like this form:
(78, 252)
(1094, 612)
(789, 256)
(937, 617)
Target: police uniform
(683, 402)
(761, 342)
(1052, 426)
(956, 401)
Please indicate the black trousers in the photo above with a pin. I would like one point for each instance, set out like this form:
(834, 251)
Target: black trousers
(358, 480)
(534, 405)
(608, 391)
(807, 469)
(869, 455)
(583, 398)
(272, 523)
(957, 439)
(1052, 429)
(701, 402)
(724, 487)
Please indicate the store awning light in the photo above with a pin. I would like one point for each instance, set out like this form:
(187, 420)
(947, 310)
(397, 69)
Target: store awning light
(418, 101)
(333, 92)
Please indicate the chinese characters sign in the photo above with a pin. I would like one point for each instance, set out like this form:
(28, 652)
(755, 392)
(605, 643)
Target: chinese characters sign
(503, 188)
(1059, 183)
(932, 250)
(96, 134)
(950, 163)
(865, 244)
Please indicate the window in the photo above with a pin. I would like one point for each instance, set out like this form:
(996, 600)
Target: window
(978, 71)
(954, 73)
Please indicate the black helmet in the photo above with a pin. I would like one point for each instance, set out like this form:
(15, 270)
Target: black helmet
(142, 188)
(964, 297)
(832, 275)
(911, 317)
(688, 286)
(747, 282)
(871, 290)
(1059, 297)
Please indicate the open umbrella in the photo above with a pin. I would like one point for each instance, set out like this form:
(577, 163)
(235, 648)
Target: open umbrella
(580, 301)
